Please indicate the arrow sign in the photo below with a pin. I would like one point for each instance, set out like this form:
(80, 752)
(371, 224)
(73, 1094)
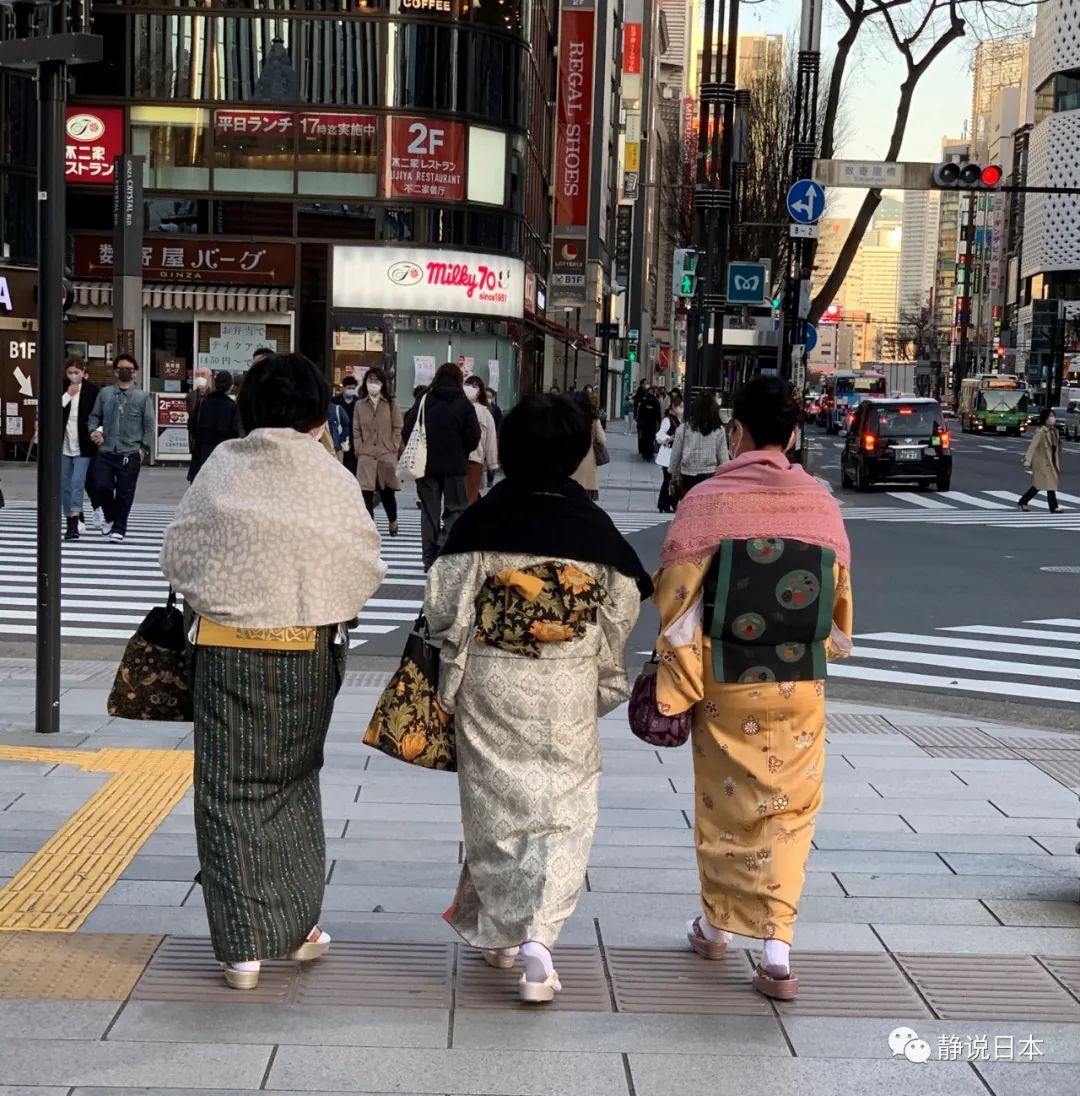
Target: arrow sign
(26, 385)
(811, 338)
(805, 201)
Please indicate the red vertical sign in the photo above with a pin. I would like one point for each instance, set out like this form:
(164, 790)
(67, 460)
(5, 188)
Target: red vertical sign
(631, 49)
(573, 146)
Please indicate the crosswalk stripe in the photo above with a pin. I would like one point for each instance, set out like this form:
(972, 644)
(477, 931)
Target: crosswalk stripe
(1058, 622)
(974, 500)
(966, 644)
(964, 685)
(959, 662)
(1037, 503)
(924, 501)
(1019, 633)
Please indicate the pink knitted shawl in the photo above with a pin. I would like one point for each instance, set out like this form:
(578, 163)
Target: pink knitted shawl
(760, 494)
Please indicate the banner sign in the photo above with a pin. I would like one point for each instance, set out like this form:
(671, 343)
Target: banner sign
(568, 266)
(425, 159)
(575, 104)
(631, 62)
(210, 262)
(171, 436)
(93, 138)
(415, 279)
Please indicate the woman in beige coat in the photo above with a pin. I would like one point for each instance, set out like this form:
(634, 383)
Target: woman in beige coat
(1044, 459)
(587, 473)
(377, 422)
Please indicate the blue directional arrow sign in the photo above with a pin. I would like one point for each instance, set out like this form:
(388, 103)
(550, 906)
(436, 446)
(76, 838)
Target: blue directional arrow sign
(811, 338)
(806, 202)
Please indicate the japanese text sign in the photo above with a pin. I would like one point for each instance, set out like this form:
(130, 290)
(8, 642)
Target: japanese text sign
(93, 138)
(211, 262)
(425, 159)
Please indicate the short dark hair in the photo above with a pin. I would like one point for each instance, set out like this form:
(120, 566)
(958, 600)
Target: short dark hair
(705, 416)
(223, 381)
(448, 371)
(74, 361)
(263, 352)
(349, 380)
(418, 391)
(543, 440)
(475, 382)
(284, 390)
(766, 408)
(129, 358)
(1044, 414)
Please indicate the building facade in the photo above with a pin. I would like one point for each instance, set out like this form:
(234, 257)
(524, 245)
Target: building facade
(918, 251)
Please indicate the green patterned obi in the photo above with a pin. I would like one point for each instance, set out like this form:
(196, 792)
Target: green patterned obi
(768, 610)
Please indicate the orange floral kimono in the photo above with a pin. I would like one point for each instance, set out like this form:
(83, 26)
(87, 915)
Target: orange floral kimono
(745, 634)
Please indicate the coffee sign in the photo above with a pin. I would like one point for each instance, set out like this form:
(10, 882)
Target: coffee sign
(398, 279)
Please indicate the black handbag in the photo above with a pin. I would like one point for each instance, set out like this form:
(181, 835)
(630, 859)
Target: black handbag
(153, 680)
(409, 723)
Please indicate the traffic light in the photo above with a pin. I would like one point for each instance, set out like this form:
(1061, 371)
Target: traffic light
(684, 272)
(967, 175)
(632, 347)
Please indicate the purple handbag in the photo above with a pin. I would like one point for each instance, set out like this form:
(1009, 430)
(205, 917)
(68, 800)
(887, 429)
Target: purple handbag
(646, 720)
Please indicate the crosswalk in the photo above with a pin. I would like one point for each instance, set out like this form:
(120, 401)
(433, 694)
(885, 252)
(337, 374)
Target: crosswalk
(985, 508)
(107, 589)
(1035, 660)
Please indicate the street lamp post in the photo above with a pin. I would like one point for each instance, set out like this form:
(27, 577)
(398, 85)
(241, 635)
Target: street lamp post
(49, 47)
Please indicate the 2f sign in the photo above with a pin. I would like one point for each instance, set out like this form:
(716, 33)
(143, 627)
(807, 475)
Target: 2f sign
(425, 139)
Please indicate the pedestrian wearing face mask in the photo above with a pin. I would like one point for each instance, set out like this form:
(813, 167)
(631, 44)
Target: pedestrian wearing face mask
(200, 388)
(122, 427)
(350, 392)
(218, 420)
(78, 450)
(485, 457)
(376, 429)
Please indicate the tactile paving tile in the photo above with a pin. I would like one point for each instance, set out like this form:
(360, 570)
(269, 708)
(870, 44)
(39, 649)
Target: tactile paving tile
(1065, 969)
(1063, 765)
(581, 972)
(840, 984)
(1023, 743)
(389, 975)
(989, 987)
(72, 967)
(972, 753)
(365, 679)
(850, 723)
(669, 981)
(949, 736)
(184, 969)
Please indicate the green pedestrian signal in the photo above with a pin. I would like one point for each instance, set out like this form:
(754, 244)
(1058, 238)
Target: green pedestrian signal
(684, 272)
(776, 302)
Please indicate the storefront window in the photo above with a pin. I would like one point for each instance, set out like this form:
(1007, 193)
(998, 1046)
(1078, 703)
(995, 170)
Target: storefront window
(338, 154)
(338, 221)
(173, 140)
(18, 217)
(177, 215)
(426, 71)
(253, 151)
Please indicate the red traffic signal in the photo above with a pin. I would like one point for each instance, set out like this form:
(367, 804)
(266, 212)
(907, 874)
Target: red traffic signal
(967, 175)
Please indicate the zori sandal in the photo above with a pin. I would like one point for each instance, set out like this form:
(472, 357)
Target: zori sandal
(770, 983)
(314, 947)
(539, 993)
(501, 958)
(706, 948)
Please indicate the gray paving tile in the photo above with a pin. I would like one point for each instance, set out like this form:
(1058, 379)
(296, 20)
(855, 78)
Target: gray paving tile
(361, 830)
(398, 792)
(975, 808)
(944, 786)
(909, 863)
(1030, 1078)
(33, 820)
(624, 1032)
(362, 850)
(641, 836)
(144, 1021)
(23, 840)
(392, 873)
(171, 920)
(135, 892)
(830, 820)
(871, 765)
(926, 842)
(1036, 914)
(169, 845)
(472, 1072)
(1062, 806)
(614, 799)
(637, 819)
(35, 1090)
(900, 911)
(1056, 846)
(958, 886)
(977, 940)
(55, 1019)
(645, 856)
(11, 862)
(674, 1075)
(126, 1065)
(856, 1038)
(923, 822)
(991, 864)
(361, 899)
(149, 868)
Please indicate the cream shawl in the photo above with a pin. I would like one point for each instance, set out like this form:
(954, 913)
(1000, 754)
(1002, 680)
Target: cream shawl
(273, 533)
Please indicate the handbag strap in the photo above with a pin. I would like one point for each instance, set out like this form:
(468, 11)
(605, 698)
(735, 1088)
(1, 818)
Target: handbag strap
(170, 602)
(420, 413)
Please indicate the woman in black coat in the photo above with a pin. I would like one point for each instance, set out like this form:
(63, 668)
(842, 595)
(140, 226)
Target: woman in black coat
(648, 423)
(217, 419)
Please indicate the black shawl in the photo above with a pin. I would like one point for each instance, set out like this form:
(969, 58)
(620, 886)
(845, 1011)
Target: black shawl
(558, 522)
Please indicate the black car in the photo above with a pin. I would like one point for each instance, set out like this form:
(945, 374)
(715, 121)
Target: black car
(897, 441)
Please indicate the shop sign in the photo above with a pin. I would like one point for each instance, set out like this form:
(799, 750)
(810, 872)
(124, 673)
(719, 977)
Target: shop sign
(444, 8)
(212, 262)
(254, 123)
(568, 266)
(171, 442)
(235, 346)
(19, 385)
(315, 127)
(411, 279)
(93, 138)
(530, 293)
(425, 159)
(575, 103)
(624, 235)
(172, 368)
(631, 66)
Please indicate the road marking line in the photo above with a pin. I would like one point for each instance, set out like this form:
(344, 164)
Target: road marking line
(919, 500)
(1019, 633)
(974, 500)
(958, 662)
(1014, 497)
(63, 882)
(964, 685)
(966, 644)
(1057, 622)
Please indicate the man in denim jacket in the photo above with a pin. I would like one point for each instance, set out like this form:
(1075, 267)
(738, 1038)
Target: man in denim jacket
(122, 426)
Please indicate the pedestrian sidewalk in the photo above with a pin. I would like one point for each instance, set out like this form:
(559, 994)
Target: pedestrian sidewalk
(940, 921)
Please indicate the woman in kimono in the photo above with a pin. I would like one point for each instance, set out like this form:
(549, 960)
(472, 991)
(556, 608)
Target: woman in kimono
(533, 598)
(273, 585)
(754, 597)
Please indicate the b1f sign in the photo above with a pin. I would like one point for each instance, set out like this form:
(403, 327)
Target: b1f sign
(413, 279)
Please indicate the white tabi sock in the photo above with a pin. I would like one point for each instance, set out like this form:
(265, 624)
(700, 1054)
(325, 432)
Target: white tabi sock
(777, 957)
(538, 964)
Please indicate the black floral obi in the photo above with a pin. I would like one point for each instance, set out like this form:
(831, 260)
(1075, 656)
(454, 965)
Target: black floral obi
(520, 610)
(768, 610)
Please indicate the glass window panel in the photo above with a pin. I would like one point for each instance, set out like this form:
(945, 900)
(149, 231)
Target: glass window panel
(492, 63)
(426, 70)
(254, 151)
(487, 166)
(19, 132)
(18, 217)
(338, 154)
(177, 215)
(173, 140)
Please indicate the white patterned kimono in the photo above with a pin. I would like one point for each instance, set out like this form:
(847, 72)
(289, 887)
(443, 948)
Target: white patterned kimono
(528, 750)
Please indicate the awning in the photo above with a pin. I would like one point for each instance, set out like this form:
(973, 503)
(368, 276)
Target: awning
(192, 298)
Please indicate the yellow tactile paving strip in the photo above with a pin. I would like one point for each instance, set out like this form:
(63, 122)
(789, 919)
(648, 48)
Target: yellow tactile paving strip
(64, 967)
(69, 875)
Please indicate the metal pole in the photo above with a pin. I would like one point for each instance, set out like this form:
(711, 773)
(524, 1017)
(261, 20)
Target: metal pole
(52, 91)
(605, 343)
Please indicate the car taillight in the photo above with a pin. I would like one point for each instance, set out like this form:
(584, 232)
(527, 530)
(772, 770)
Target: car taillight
(944, 439)
(869, 442)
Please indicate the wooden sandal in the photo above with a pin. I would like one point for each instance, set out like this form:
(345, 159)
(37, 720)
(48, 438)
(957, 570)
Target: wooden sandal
(311, 948)
(240, 979)
(539, 993)
(784, 987)
(501, 958)
(706, 948)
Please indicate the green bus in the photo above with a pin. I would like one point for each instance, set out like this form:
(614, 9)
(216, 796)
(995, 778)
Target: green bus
(993, 403)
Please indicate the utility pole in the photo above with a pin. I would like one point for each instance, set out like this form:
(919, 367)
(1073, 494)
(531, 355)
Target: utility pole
(48, 46)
